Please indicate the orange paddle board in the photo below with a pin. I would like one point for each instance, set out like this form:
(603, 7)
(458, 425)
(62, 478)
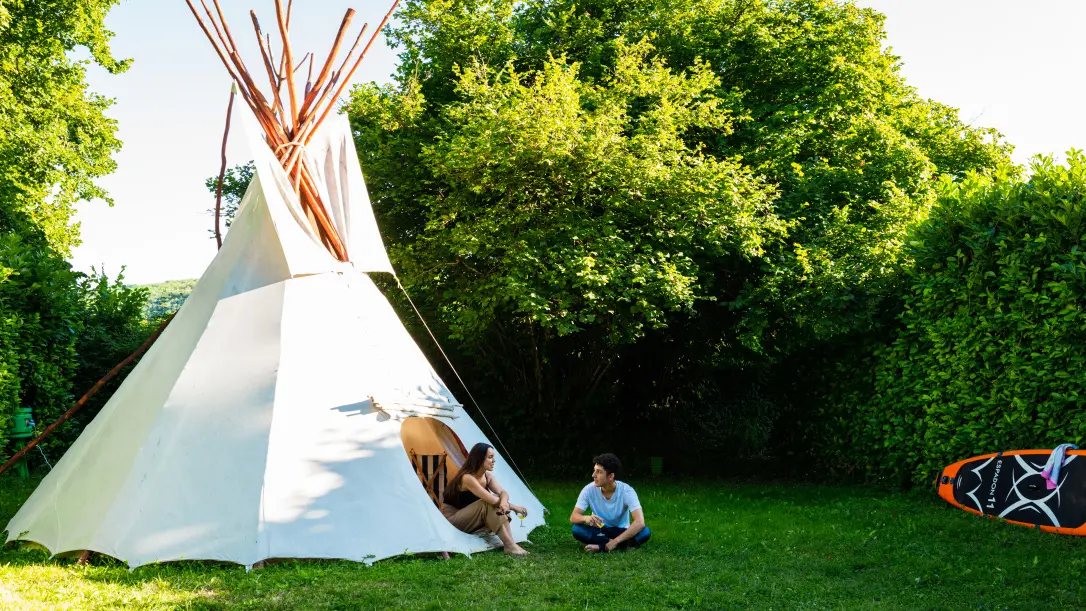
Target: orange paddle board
(1009, 486)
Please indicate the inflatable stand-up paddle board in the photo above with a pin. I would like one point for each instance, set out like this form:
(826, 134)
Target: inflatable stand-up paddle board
(1009, 486)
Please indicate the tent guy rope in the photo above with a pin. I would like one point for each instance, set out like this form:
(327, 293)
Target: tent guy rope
(478, 408)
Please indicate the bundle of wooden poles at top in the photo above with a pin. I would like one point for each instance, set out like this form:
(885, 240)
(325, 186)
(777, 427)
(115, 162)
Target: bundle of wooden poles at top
(289, 128)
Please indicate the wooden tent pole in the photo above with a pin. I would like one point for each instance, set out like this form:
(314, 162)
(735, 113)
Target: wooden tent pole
(90, 393)
(287, 133)
(222, 169)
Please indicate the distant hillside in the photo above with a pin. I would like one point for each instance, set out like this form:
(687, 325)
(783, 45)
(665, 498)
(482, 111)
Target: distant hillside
(166, 297)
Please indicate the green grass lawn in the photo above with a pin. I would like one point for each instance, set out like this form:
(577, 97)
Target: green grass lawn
(715, 545)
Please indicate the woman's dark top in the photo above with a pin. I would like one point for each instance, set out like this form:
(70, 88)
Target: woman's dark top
(467, 497)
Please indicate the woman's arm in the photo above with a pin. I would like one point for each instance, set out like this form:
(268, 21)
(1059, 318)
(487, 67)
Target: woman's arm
(477, 489)
(503, 496)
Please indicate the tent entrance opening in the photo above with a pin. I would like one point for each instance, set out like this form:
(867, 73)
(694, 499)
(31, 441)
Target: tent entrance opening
(435, 452)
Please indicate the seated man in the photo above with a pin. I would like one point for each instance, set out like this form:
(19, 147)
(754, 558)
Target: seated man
(612, 503)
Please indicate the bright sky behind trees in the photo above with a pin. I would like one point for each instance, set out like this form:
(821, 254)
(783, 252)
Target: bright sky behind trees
(1006, 65)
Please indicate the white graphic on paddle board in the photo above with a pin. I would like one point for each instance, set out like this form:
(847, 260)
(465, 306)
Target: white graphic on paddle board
(1038, 505)
(980, 482)
(1020, 500)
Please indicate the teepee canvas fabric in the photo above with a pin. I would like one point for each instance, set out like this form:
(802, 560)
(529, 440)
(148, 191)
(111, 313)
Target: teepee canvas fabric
(269, 420)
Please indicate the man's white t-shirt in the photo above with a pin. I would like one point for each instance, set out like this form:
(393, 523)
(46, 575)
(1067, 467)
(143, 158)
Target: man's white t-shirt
(614, 511)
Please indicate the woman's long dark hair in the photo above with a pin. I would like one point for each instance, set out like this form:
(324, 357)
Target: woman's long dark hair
(475, 461)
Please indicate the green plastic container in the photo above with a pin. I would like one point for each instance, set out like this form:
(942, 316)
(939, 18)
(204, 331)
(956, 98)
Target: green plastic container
(656, 464)
(22, 427)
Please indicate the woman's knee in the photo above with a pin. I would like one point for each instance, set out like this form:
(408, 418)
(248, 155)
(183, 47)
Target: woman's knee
(495, 520)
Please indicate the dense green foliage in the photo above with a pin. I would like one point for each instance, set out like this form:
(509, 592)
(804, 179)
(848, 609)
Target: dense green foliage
(718, 227)
(55, 138)
(587, 196)
(112, 327)
(820, 110)
(234, 183)
(165, 298)
(715, 545)
(60, 330)
(40, 307)
(992, 336)
(626, 216)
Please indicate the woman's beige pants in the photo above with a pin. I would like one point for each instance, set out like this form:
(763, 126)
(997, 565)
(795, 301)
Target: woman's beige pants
(475, 516)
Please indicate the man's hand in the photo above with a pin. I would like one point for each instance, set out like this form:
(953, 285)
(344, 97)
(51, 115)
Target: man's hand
(611, 545)
(594, 520)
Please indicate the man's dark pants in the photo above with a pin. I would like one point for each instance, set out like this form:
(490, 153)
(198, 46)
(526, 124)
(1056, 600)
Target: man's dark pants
(600, 536)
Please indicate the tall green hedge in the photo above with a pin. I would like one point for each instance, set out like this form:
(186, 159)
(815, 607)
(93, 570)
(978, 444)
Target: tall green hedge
(39, 322)
(991, 350)
(60, 331)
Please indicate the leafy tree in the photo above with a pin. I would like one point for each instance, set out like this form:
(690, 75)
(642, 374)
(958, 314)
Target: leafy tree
(55, 138)
(583, 201)
(234, 183)
(166, 298)
(57, 327)
(625, 210)
(822, 112)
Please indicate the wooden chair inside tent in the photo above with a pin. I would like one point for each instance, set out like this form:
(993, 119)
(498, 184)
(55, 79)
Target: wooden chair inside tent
(433, 473)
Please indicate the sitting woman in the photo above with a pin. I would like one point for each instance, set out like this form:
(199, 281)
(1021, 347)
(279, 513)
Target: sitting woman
(474, 499)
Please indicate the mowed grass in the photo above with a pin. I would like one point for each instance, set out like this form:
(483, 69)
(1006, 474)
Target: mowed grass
(715, 545)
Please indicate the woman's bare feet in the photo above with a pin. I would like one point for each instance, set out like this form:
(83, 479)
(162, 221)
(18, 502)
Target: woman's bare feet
(516, 550)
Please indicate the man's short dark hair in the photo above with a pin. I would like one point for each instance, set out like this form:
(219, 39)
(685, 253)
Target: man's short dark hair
(610, 463)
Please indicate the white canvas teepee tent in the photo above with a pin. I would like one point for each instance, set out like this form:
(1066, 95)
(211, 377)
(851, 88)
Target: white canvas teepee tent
(273, 417)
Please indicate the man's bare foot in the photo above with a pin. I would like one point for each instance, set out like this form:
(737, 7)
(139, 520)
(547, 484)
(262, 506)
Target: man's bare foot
(592, 547)
(516, 550)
